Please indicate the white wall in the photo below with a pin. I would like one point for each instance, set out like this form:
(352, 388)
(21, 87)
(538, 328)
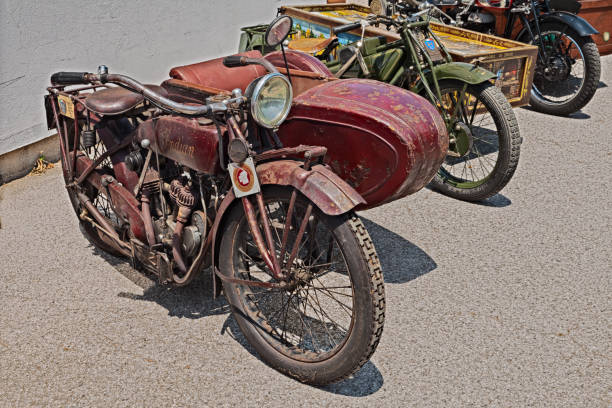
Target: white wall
(140, 38)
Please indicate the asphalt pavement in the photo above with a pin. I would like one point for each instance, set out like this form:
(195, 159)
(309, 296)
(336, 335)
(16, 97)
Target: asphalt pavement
(504, 303)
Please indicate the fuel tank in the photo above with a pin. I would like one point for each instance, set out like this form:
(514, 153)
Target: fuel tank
(190, 142)
(385, 141)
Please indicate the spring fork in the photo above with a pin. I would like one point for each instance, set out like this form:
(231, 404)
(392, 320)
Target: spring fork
(268, 257)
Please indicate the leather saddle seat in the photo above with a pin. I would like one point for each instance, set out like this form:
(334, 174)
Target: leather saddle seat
(311, 46)
(117, 100)
(213, 74)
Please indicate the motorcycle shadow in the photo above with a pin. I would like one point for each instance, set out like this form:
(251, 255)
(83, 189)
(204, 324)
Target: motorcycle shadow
(401, 260)
(576, 115)
(364, 382)
(193, 301)
(196, 301)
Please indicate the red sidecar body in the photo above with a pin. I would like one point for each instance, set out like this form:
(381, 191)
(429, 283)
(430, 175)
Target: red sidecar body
(383, 140)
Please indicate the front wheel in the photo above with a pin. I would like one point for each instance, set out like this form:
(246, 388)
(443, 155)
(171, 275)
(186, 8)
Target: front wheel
(567, 79)
(326, 320)
(485, 142)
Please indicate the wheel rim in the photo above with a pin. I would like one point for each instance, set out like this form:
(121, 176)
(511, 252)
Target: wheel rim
(566, 66)
(474, 146)
(312, 319)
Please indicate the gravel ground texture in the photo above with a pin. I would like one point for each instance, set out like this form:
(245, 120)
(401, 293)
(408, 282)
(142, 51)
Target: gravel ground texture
(503, 303)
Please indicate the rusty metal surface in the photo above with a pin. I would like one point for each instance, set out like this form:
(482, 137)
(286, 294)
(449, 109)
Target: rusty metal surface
(332, 195)
(302, 83)
(384, 141)
(148, 221)
(184, 140)
(125, 204)
(183, 91)
(214, 74)
(112, 131)
(300, 151)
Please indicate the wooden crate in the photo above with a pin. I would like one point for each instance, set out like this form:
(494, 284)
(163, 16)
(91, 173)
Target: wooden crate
(512, 60)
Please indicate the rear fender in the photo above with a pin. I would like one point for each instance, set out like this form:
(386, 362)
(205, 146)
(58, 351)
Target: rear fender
(464, 72)
(331, 194)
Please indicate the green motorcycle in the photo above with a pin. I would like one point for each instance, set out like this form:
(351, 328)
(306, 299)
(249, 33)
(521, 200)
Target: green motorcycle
(484, 134)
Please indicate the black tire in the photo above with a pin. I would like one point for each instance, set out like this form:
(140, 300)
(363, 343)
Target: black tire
(279, 346)
(591, 67)
(497, 129)
(99, 200)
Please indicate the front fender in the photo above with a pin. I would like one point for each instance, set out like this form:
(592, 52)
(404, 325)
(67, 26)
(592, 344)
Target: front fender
(324, 188)
(576, 23)
(461, 71)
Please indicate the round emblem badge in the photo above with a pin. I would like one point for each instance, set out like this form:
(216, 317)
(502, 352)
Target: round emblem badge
(243, 178)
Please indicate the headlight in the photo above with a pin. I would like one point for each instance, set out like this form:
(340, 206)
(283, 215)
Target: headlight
(271, 100)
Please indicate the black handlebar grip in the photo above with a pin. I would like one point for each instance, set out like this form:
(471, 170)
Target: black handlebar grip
(234, 61)
(345, 28)
(69, 78)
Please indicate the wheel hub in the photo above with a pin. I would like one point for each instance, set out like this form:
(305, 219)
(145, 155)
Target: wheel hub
(557, 69)
(461, 140)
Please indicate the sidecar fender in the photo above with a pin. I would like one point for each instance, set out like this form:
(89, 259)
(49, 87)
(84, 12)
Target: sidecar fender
(324, 188)
(461, 71)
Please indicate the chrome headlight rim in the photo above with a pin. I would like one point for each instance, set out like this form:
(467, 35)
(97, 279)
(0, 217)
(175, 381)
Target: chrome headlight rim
(258, 87)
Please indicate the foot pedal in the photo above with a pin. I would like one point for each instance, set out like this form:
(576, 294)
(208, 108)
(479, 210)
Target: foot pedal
(153, 261)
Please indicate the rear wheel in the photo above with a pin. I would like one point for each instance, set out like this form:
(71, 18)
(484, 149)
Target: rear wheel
(484, 141)
(98, 199)
(326, 321)
(569, 77)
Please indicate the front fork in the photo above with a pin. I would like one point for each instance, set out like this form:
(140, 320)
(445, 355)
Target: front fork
(265, 242)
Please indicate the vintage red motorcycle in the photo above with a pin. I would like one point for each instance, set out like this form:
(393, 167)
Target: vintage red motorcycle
(183, 176)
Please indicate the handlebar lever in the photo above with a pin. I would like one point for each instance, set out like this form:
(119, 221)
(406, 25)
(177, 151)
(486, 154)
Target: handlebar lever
(234, 61)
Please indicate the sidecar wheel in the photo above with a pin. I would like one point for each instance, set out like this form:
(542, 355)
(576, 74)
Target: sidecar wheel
(487, 146)
(327, 322)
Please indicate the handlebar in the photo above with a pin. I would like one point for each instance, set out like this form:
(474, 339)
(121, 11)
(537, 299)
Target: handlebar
(69, 78)
(234, 61)
(83, 78)
(346, 27)
(77, 78)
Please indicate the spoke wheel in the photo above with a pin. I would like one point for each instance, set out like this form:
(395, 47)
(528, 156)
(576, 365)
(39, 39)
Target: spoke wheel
(326, 321)
(484, 141)
(569, 77)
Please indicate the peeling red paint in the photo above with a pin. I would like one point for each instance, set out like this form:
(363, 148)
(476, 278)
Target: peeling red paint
(385, 141)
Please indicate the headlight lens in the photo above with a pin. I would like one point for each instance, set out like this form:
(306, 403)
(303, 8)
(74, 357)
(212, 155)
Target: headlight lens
(271, 100)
